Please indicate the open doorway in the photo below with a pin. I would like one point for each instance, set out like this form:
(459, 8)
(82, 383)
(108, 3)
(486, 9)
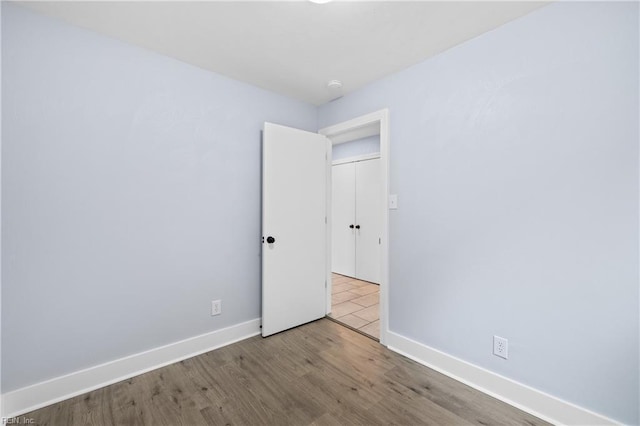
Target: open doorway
(356, 234)
(357, 217)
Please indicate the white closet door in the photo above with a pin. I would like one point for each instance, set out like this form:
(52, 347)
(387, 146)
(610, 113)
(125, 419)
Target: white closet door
(343, 212)
(368, 218)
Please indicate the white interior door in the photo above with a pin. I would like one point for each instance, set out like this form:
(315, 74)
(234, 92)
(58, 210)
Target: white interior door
(368, 220)
(343, 214)
(293, 227)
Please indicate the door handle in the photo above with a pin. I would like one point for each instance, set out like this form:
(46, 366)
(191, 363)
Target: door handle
(351, 226)
(271, 240)
(357, 226)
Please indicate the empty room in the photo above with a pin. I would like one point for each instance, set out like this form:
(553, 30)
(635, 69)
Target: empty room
(320, 212)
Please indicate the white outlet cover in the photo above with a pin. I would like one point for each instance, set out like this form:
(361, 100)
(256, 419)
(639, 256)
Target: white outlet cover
(393, 201)
(501, 347)
(216, 307)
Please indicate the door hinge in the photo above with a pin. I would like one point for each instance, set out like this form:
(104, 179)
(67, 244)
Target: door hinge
(325, 283)
(379, 240)
(325, 220)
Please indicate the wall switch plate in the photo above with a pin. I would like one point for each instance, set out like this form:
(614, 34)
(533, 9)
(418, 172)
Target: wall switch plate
(393, 201)
(500, 347)
(216, 307)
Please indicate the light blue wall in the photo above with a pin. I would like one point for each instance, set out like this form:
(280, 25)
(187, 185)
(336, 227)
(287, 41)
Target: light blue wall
(358, 147)
(131, 197)
(515, 158)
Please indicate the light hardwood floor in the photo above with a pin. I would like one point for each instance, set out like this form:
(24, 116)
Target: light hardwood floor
(317, 374)
(356, 304)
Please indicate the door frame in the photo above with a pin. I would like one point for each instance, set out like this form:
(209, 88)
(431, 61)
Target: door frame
(367, 125)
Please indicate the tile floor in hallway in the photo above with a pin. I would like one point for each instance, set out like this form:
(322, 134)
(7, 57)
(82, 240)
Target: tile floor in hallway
(356, 304)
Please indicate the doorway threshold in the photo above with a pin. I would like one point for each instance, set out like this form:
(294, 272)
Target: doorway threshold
(337, 321)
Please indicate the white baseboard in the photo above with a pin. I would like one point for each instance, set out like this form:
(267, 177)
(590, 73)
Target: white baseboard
(45, 393)
(528, 399)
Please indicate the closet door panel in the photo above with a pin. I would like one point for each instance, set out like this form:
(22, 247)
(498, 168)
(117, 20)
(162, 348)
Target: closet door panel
(343, 189)
(368, 216)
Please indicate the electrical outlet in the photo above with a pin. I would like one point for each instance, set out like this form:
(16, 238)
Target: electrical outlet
(500, 347)
(216, 307)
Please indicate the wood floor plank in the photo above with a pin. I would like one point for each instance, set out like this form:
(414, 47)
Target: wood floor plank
(476, 407)
(318, 374)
